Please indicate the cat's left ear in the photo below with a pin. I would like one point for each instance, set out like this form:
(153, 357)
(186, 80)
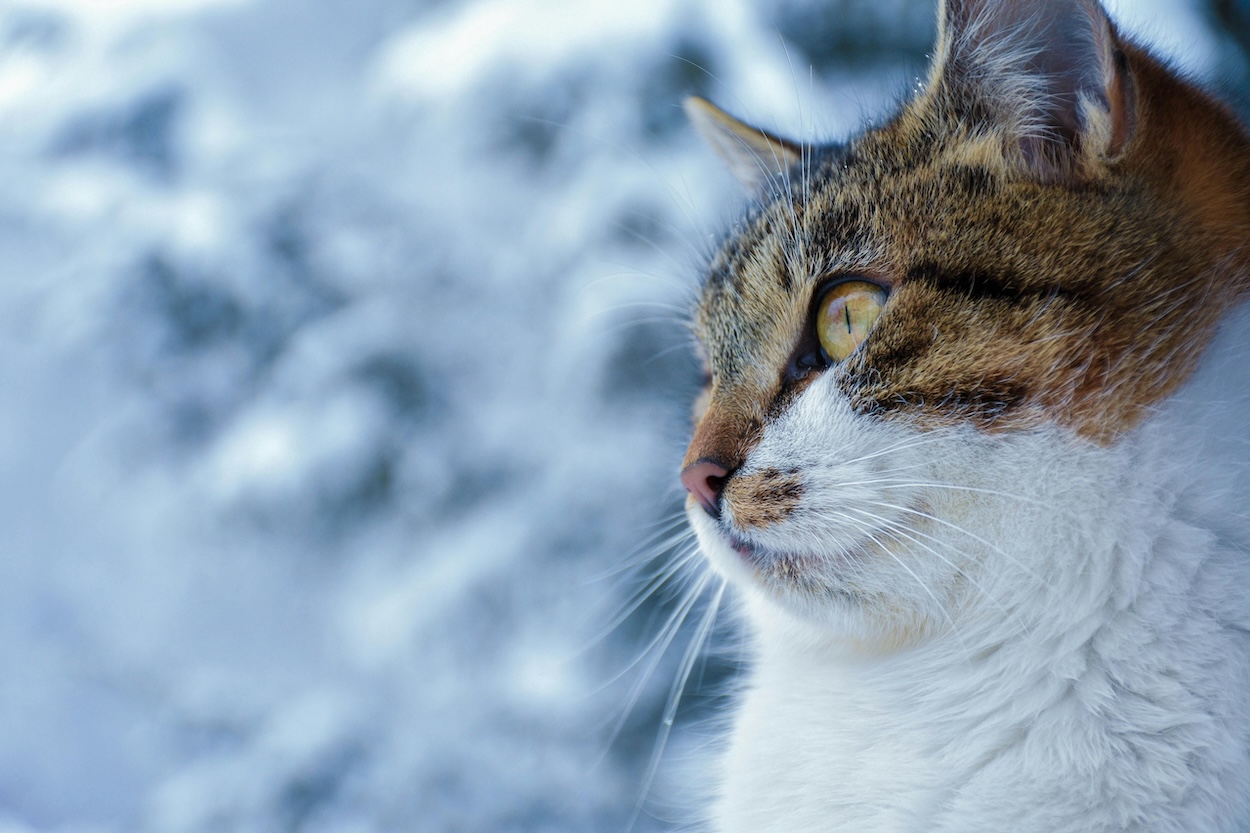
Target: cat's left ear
(1051, 73)
(757, 159)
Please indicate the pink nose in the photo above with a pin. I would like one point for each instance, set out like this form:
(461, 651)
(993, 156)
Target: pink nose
(705, 480)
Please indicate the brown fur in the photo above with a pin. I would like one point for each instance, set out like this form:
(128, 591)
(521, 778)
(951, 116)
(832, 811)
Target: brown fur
(1080, 297)
(763, 498)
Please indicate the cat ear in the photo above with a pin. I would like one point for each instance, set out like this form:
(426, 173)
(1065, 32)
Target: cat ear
(756, 158)
(1051, 72)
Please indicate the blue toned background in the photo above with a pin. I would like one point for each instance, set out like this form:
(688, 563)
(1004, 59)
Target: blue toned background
(342, 385)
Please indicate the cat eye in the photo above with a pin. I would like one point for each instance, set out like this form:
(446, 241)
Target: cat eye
(845, 315)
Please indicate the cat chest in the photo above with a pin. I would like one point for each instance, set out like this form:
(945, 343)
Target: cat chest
(846, 749)
(839, 759)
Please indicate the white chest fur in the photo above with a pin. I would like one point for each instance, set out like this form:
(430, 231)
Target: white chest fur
(1091, 674)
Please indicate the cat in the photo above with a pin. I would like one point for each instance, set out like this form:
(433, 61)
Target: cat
(972, 452)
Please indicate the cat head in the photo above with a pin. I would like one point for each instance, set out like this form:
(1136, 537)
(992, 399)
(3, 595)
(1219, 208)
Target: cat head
(1024, 261)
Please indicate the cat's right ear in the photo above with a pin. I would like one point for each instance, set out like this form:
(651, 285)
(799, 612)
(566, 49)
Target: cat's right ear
(756, 158)
(1049, 76)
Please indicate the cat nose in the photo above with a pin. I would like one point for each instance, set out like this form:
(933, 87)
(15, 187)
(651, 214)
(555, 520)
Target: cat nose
(705, 479)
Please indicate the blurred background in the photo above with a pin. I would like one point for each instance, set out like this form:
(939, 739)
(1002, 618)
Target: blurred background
(343, 382)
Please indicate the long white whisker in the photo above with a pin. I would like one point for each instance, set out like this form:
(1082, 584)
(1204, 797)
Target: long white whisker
(646, 549)
(658, 647)
(899, 445)
(870, 534)
(993, 548)
(693, 650)
(640, 596)
(975, 489)
(910, 534)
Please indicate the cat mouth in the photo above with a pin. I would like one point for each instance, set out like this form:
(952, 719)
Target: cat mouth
(742, 546)
(764, 558)
(794, 565)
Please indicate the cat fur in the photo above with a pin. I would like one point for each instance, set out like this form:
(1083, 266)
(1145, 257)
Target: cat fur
(995, 566)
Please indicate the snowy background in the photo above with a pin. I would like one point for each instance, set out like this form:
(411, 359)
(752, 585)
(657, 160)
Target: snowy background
(342, 386)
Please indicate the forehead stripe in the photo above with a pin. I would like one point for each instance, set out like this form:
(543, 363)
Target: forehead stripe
(979, 284)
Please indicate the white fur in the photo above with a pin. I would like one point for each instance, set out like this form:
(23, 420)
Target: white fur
(1066, 649)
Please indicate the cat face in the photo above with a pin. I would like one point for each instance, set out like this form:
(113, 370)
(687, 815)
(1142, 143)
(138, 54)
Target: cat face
(1035, 261)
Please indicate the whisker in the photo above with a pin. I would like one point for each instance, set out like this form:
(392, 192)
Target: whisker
(646, 549)
(673, 308)
(688, 660)
(663, 250)
(975, 489)
(657, 646)
(870, 534)
(994, 548)
(899, 445)
(667, 351)
(630, 272)
(623, 326)
(640, 596)
(898, 529)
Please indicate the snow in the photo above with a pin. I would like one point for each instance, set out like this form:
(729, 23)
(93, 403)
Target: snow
(342, 355)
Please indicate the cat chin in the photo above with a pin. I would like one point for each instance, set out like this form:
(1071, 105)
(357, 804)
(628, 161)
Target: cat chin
(808, 593)
(724, 558)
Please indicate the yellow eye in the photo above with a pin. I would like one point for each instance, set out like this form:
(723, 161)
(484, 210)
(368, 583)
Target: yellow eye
(846, 314)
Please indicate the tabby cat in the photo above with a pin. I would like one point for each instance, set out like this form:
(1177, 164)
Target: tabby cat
(973, 451)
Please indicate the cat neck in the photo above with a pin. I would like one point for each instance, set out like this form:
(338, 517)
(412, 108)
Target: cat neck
(1193, 145)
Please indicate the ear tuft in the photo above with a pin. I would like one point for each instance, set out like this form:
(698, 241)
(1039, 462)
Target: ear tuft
(757, 159)
(1051, 73)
